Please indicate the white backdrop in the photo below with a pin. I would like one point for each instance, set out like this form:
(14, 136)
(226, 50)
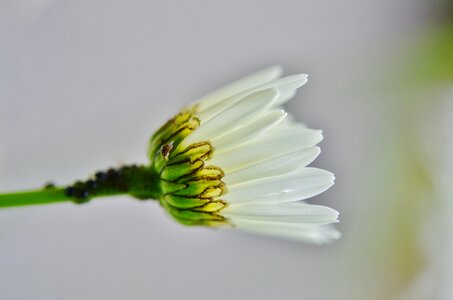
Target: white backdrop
(83, 84)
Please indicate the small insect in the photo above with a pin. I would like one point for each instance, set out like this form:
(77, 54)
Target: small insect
(49, 185)
(100, 176)
(166, 149)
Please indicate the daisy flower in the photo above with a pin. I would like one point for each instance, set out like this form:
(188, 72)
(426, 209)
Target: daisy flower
(233, 159)
(236, 159)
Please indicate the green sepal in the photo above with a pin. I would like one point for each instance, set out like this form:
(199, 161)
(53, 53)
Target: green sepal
(213, 192)
(181, 135)
(185, 202)
(207, 173)
(159, 162)
(197, 188)
(174, 131)
(174, 172)
(191, 217)
(213, 206)
(168, 187)
(170, 127)
(194, 152)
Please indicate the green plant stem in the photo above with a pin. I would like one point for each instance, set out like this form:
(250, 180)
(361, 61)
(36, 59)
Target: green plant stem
(33, 197)
(137, 181)
(41, 196)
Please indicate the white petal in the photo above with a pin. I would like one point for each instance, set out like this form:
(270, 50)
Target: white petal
(298, 185)
(285, 97)
(273, 144)
(249, 131)
(246, 83)
(285, 86)
(313, 234)
(290, 122)
(293, 212)
(276, 166)
(239, 114)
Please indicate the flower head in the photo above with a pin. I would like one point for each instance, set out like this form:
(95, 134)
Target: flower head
(235, 158)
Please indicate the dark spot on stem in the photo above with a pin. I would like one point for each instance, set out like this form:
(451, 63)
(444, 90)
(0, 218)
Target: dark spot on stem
(49, 185)
(69, 191)
(100, 175)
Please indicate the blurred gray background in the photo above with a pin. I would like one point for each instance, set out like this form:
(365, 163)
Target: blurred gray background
(83, 85)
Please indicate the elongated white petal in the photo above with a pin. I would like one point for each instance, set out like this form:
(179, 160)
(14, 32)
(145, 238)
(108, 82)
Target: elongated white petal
(294, 212)
(298, 185)
(239, 114)
(279, 165)
(249, 131)
(290, 122)
(314, 234)
(273, 144)
(243, 84)
(285, 97)
(286, 86)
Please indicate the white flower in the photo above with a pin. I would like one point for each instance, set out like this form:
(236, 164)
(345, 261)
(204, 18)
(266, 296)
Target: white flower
(236, 158)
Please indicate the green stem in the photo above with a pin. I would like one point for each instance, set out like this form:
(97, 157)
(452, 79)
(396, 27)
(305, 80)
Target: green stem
(33, 197)
(42, 196)
(137, 181)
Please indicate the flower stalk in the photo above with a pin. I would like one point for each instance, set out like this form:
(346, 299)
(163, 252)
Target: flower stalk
(45, 195)
(137, 181)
